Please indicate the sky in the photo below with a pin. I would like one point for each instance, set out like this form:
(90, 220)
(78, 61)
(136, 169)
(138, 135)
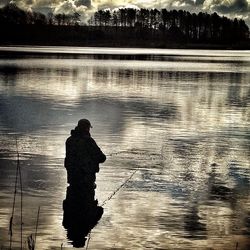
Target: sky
(229, 8)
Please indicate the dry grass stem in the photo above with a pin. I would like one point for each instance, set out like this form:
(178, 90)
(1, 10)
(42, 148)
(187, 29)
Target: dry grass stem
(37, 222)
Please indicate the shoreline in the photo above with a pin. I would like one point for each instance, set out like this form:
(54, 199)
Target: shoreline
(190, 46)
(84, 36)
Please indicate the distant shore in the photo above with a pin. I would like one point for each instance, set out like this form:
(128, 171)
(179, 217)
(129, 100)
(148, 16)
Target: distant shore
(85, 36)
(111, 44)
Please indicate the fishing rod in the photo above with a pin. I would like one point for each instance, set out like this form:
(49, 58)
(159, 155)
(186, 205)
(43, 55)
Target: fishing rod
(111, 196)
(119, 188)
(130, 151)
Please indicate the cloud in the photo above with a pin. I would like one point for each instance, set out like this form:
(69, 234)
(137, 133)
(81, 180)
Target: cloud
(82, 7)
(79, 3)
(69, 7)
(37, 5)
(66, 6)
(230, 8)
(227, 6)
(199, 2)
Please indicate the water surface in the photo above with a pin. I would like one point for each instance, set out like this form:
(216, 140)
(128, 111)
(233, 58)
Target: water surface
(180, 118)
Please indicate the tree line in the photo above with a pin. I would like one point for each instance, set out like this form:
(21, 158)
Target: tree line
(189, 26)
(181, 26)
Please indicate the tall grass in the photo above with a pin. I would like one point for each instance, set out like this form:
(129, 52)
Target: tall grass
(21, 193)
(18, 174)
(37, 221)
(31, 241)
(237, 244)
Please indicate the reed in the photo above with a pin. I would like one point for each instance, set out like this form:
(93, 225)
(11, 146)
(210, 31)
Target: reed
(18, 171)
(21, 193)
(31, 242)
(237, 244)
(37, 221)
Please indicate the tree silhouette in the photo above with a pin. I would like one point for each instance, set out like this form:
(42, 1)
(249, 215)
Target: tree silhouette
(165, 25)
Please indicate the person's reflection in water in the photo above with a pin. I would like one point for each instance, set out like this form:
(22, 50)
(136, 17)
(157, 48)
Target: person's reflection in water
(79, 216)
(192, 223)
(81, 210)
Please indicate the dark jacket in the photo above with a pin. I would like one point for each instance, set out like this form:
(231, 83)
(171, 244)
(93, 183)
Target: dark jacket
(82, 157)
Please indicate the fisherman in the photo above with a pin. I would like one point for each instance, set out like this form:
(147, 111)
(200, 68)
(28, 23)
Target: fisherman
(81, 210)
(82, 157)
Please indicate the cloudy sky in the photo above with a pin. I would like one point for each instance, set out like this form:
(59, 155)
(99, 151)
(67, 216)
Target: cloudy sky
(229, 8)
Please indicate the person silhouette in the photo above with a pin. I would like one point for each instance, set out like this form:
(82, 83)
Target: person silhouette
(81, 210)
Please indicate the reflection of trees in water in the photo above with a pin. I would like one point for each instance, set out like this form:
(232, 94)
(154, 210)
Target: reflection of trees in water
(237, 96)
(132, 81)
(177, 80)
(9, 75)
(125, 71)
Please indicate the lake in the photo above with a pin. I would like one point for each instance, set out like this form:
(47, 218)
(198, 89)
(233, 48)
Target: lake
(175, 121)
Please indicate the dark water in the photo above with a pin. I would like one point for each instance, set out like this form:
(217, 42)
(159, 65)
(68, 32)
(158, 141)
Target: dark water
(179, 117)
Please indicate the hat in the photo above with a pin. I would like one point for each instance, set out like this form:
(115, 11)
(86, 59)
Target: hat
(84, 123)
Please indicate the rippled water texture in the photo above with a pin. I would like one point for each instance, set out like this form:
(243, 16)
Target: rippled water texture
(180, 118)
